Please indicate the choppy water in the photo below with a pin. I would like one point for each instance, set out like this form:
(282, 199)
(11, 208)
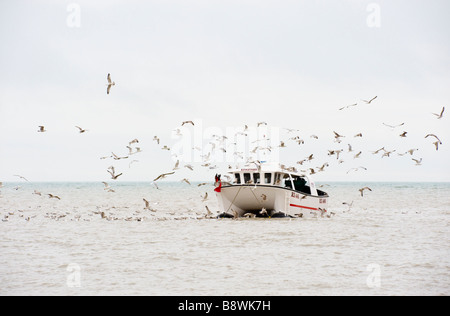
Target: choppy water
(393, 241)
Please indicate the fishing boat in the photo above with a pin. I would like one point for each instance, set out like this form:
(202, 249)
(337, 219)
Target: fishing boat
(268, 190)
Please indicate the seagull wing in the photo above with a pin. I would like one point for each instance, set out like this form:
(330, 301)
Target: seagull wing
(434, 136)
(109, 78)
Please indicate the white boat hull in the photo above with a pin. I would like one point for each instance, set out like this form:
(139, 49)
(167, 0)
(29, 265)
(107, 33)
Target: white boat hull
(275, 200)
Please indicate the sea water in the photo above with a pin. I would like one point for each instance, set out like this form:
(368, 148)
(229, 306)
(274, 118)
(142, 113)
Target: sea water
(392, 241)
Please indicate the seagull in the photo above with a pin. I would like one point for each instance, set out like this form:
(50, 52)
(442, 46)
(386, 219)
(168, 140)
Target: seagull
(337, 136)
(134, 141)
(51, 196)
(439, 116)
(411, 151)
(387, 153)
(320, 169)
(23, 178)
(432, 135)
(112, 172)
(107, 187)
(393, 126)
(147, 206)
(261, 123)
(117, 157)
(156, 139)
(362, 190)
(208, 212)
(418, 161)
(368, 102)
(156, 186)
(378, 150)
(263, 211)
(190, 167)
(347, 106)
(187, 122)
(110, 84)
(186, 180)
(436, 143)
(357, 155)
(81, 129)
(162, 176)
(249, 215)
(36, 192)
(348, 204)
(41, 129)
(403, 134)
(356, 169)
(205, 197)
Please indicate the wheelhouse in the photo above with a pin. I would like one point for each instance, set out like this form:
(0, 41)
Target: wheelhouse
(289, 181)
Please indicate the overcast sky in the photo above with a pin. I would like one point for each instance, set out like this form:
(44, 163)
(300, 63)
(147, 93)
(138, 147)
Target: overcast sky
(223, 64)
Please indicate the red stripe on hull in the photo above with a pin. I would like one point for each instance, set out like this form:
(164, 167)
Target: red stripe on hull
(301, 206)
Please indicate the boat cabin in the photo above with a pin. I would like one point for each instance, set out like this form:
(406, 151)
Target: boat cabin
(277, 178)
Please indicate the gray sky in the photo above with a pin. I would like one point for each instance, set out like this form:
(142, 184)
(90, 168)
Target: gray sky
(223, 64)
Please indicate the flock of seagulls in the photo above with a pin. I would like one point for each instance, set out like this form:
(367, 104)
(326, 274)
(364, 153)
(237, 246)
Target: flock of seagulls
(219, 143)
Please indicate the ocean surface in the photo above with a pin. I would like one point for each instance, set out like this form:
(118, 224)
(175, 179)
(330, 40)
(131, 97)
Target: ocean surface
(393, 241)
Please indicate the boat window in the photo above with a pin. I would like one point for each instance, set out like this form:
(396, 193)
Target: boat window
(256, 177)
(287, 181)
(247, 178)
(277, 179)
(268, 178)
(301, 184)
(237, 178)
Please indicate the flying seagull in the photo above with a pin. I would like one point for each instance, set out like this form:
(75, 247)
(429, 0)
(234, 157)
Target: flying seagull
(362, 190)
(51, 196)
(23, 178)
(41, 129)
(81, 129)
(418, 161)
(112, 172)
(162, 176)
(134, 141)
(187, 122)
(439, 116)
(393, 126)
(368, 102)
(147, 206)
(347, 106)
(436, 143)
(110, 83)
